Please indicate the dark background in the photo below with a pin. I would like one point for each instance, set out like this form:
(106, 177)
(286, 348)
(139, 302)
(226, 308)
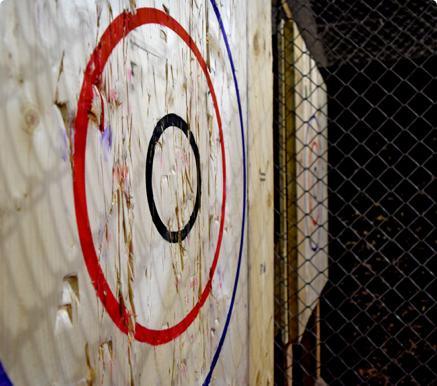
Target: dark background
(379, 62)
(378, 310)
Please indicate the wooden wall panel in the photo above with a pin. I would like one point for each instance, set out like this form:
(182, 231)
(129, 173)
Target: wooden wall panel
(102, 106)
(261, 200)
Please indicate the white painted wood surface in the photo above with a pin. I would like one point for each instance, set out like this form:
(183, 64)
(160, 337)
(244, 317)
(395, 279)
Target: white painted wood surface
(53, 327)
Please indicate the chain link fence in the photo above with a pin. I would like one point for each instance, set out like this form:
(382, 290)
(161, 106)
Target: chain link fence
(355, 192)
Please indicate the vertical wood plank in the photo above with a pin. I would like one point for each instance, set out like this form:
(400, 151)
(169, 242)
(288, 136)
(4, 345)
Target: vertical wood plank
(290, 213)
(260, 177)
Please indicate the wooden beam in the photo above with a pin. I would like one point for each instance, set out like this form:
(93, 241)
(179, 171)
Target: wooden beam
(260, 194)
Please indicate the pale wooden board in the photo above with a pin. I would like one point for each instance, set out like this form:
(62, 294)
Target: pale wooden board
(311, 178)
(261, 201)
(53, 328)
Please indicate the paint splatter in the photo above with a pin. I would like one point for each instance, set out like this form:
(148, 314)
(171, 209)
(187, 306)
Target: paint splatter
(106, 141)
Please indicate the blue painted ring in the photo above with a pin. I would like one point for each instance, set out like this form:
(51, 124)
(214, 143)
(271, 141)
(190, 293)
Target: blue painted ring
(243, 146)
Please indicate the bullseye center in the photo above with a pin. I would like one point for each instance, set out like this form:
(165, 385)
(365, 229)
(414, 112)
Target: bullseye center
(171, 175)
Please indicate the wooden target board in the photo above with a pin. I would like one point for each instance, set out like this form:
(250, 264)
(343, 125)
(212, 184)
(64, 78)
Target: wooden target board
(123, 193)
(311, 181)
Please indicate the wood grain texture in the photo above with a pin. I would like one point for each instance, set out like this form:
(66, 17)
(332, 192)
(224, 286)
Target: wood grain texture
(260, 174)
(56, 325)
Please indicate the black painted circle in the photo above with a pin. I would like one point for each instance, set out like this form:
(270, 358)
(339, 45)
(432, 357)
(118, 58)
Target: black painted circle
(171, 120)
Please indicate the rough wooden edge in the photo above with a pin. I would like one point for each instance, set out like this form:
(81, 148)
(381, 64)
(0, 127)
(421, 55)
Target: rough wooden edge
(260, 192)
(288, 120)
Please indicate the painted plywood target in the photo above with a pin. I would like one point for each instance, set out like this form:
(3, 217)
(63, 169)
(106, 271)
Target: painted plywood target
(138, 266)
(312, 182)
(314, 165)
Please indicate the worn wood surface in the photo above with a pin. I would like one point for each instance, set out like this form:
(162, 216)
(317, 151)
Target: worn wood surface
(57, 325)
(260, 220)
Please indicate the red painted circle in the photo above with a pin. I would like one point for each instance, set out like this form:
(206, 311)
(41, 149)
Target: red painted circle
(120, 27)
